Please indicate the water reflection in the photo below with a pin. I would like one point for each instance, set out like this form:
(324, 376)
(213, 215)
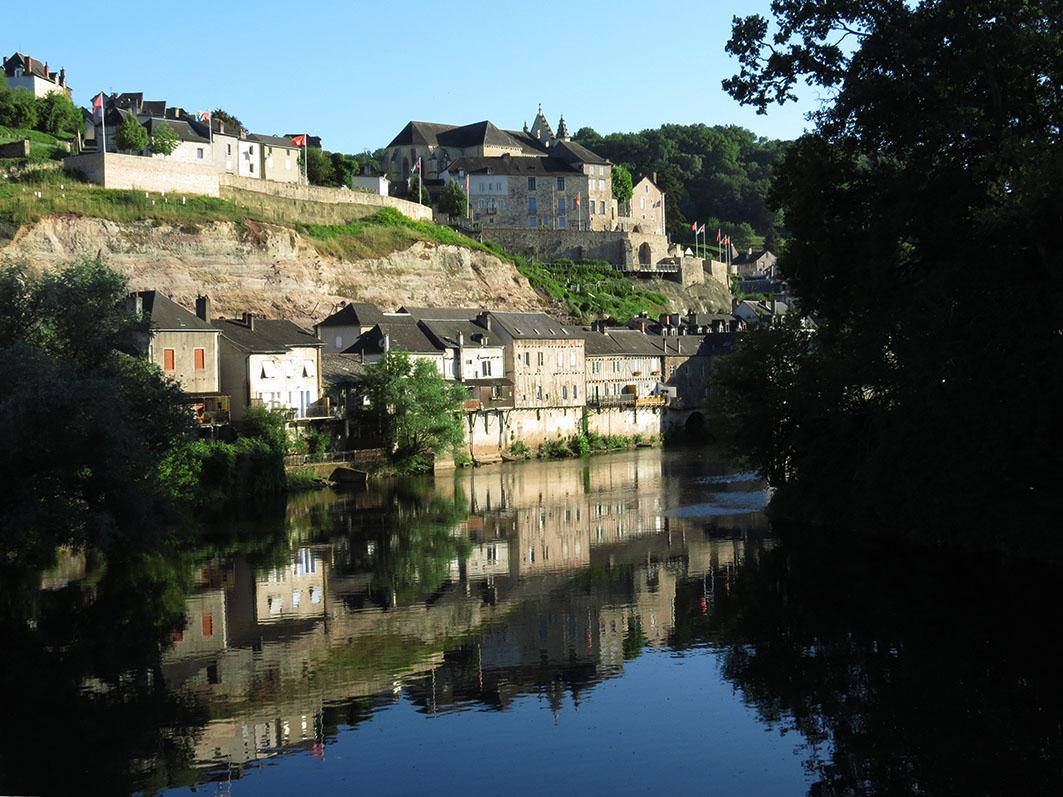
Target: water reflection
(279, 637)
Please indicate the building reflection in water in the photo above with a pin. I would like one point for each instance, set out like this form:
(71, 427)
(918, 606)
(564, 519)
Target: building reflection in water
(552, 576)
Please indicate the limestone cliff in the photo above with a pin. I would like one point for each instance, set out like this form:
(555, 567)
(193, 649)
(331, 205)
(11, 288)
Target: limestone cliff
(272, 270)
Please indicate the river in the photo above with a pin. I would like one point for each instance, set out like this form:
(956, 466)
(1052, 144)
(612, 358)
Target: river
(625, 624)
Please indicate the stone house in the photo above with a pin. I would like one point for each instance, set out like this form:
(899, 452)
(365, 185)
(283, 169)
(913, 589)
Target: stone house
(687, 364)
(186, 349)
(340, 330)
(192, 147)
(544, 359)
(271, 363)
(623, 365)
(397, 332)
(474, 358)
(752, 263)
(645, 212)
(25, 72)
(278, 158)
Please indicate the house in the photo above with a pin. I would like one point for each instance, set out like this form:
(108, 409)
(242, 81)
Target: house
(342, 328)
(754, 264)
(687, 363)
(543, 358)
(645, 211)
(186, 347)
(473, 357)
(271, 363)
(371, 182)
(397, 332)
(278, 157)
(192, 147)
(623, 365)
(25, 72)
(751, 312)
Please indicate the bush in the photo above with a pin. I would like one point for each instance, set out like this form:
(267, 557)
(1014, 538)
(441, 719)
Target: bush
(57, 115)
(18, 108)
(258, 469)
(132, 136)
(519, 449)
(580, 445)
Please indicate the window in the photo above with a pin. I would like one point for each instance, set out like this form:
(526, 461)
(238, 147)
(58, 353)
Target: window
(339, 341)
(199, 153)
(539, 392)
(596, 367)
(562, 222)
(560, 358)
(251, 168)
(564, 392)
(575, 395)
(592, 207)
(541, 359)
(560, 183)
(168, 356)
(601, 171)
(485, 368)
(572, 358)
(561, 204)
(601, 185)
(642, 203)
(527, 358)
(603, 208)
(531, 183)
(532, 222)
(533, 205)
(200, 358)
(208, 625)
(228, 149)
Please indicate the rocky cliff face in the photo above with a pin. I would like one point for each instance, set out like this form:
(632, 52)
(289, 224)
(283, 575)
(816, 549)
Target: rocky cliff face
(272, 270)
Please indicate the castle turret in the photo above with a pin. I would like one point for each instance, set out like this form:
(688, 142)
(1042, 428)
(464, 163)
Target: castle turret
(562, 129)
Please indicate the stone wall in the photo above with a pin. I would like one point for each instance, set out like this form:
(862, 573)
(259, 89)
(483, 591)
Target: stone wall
(15, 149)
(355, 203)
(619, 248)
(717, 270)
(113, 170)
(627, 421)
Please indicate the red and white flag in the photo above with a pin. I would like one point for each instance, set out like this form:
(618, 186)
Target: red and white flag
(577, 199)
(719, 235)
(299, 141)
(97, 103)
(701, 230)
(694, 228)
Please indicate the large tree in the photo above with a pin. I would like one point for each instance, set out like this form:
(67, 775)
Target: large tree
(926, 238)
(132, 136)
(453, 200)
(417, 412)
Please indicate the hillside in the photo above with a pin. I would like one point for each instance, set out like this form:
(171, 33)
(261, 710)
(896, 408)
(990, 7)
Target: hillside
(284, 267)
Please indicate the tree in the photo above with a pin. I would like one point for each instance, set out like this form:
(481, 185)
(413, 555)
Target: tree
(344, 168)
(938, 144)
(416, 192)
(417, 412)
(58, 116)
(622, 183)
(163, 140)
(84, 419)
(234, 124)
(132, 136)
(319, 169)
(453, 201)
(17, 108)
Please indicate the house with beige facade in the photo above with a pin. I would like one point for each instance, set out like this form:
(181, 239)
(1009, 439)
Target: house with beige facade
(25, 72)
(340, 330)
(186, 349)
(271, 363)
(624, 366)
(645, 211)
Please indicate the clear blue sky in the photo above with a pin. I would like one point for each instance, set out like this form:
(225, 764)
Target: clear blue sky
(355, 73)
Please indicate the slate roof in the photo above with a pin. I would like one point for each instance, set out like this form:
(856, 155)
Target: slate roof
(619, 341)
(747, 257)
(165, 314)
(354, 314)
(573, 152)
(434, 134)
(19, 60)
(534, 326)
(153, 108)
(415, 133)
(404, 334)
(530, 166)
(272, 141)
(183, 130)
(695, 345)
(436, 313)
(444, 332)
(341, 369)
(268, 336)
(530, 143)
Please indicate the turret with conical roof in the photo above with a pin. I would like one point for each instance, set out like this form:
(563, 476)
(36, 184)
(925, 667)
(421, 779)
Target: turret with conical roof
(562, 129)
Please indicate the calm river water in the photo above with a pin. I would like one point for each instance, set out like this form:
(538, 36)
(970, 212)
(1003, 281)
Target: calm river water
(625, 624)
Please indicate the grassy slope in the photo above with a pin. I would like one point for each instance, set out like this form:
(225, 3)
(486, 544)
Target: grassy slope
(582, 291)
(43, 147)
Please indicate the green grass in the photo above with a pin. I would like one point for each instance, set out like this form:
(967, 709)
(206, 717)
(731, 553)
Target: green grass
(591, 291)
(43, 147)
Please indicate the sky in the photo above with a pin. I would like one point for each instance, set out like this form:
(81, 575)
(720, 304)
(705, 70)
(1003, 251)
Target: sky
(355, 72)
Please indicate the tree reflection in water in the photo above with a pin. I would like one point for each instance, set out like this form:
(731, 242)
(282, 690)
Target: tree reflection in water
(908, 671)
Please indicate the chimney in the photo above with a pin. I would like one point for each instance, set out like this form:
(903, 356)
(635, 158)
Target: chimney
(654, 178)
(249, 321)
(221, 126)
(62, 76)
(461, 340)
(47, 74)
(139, 304)
(203, 308)
(29, 65)
(484, 318)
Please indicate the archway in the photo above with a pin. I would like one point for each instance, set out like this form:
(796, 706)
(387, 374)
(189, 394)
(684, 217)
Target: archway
(645, 255)
(695, 427)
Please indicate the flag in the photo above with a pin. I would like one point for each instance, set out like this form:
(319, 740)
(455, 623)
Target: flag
(97, 103)
(577, 199)
(694, 228)
(718, 235)
(466, 184)
(701, 230)
(202, 116)
(417, 164)
(299, 141)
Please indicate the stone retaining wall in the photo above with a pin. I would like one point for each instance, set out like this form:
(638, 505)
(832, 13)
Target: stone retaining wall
(356, 204)
(617, 247)
(114, 170)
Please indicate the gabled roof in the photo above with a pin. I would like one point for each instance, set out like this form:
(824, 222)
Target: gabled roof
(272, 141)
(530, 166)
(619, 342)
(534, 326)
(268, 336)
(435, 134)
(354, 314)
(403, 334)
(183, 130)
(415, 133)
(162, 313)
(575, 153)
(444, 333)
(341, 369)
(749, 257)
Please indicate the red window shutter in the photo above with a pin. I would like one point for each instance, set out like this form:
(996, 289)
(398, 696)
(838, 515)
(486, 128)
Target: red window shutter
(201, 359)
(168, 360)
(208, 625)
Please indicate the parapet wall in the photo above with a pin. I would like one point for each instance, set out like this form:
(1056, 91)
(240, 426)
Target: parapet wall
(140, 173)
(617, 247)
(356, 204)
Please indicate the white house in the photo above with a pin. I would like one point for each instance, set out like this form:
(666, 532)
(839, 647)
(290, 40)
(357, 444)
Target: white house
(24, 72)
(271, 363)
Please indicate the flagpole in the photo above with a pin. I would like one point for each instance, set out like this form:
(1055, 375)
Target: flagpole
(103, 120)
(306, 166)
